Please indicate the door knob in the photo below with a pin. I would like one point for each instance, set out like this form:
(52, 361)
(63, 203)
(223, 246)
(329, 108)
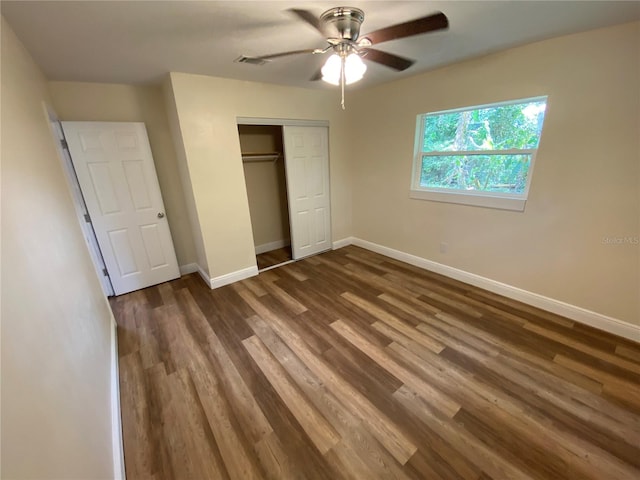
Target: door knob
(161, 215)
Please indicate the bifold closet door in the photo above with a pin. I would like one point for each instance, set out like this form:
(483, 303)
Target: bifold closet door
(307, 167)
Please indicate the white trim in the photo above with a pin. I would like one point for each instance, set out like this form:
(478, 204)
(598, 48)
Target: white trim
(343, 242)
(456, 153)
(494, 104)
(579, 314)
(473, 199)
(267, 247)
(116, 420)
(188, 268)
(204, 276)
(281, 122)
(276, 266)
(232, 277)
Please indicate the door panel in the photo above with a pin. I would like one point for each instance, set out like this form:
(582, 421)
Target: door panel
(103, 186)
(124, 256)
(153, 245)
(137, 183)
(118, 180)
(320, 218)
(307, 167)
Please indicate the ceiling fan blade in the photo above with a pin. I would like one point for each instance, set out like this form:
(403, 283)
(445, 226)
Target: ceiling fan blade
(308, 17)
(316, 76)
(285, 54)
(437, 21)
(388, 59)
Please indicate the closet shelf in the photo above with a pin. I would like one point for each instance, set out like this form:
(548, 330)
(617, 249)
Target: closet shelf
(260, 157)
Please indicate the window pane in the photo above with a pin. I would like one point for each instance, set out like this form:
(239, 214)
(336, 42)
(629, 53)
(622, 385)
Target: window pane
(515, 126)
(486, 173)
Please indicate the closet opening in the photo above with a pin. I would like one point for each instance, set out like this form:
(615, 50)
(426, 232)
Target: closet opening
(265, 177)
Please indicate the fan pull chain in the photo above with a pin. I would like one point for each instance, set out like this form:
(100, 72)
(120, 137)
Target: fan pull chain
(342, 79)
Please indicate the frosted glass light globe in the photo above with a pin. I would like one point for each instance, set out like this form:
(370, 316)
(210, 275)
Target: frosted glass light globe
(354, 69)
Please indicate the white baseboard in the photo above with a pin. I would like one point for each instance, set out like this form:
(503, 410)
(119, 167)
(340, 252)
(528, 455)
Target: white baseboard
(267, 247)
(116, 419)
(203, 275)
(236, 276)
(188, 268)
(573, 312)
(343, 242)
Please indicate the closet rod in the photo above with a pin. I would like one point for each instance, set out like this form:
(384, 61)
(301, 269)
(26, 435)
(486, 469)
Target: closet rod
(260, 157)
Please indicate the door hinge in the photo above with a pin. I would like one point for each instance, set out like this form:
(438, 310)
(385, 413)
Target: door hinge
(104, 272)
(87, 218)
(64, 144)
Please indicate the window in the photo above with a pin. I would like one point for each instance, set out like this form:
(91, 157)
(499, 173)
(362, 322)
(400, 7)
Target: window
(480, 155)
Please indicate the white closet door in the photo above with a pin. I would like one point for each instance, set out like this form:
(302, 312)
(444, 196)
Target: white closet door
(118, 180)
(307, 167)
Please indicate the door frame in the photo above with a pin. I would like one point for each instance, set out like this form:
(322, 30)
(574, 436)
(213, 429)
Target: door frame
(78, 201)
(290, 122)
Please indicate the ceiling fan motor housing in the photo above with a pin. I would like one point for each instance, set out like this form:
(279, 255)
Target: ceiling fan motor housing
(343, 22)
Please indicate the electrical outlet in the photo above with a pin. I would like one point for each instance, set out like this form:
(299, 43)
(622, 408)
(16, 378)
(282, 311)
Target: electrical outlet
(444, 247)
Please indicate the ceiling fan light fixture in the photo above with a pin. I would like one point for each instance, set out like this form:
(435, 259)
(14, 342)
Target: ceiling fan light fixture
(354, 69)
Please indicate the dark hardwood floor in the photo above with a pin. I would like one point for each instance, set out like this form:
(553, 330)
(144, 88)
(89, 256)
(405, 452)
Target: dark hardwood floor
(351, 365)
(273, 257)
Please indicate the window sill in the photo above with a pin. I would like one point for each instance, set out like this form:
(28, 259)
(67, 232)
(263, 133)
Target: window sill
(463, 198)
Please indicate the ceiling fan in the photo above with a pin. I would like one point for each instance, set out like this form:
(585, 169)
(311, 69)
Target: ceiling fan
(341, 28)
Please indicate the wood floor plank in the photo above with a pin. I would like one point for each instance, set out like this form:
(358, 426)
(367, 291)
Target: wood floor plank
(561, 401)
(148, 345)
(383, 429)
(615, 387)
(290, 303)
(155, 383)
(628, 353)
(440, 451)
(520, 420)
(434, 397)
(135, 416)
(272, 456)
(352, 365)
(196, 376)
(469, 339)
(303, 457)
(191, 430)
(319, 430)
(242, 402)
(163, 318)
(318, 343)
(273, 257)
(473, 448)
(367, 450)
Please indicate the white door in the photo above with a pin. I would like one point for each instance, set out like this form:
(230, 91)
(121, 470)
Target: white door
(78, 203)
(307, 166)
(118, 180)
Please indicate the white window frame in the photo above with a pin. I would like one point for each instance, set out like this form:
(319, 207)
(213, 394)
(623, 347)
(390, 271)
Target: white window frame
(478, 198)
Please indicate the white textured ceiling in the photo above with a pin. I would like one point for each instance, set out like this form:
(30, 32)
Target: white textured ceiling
(140, 41)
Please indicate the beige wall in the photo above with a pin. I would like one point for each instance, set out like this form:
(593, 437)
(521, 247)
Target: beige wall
(78, 101)
(185, 176)
(205, 130)
(586, 183)
(266, 184)
(56, 323)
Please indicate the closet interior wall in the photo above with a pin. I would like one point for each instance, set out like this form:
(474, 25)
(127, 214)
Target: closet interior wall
(264, 173)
